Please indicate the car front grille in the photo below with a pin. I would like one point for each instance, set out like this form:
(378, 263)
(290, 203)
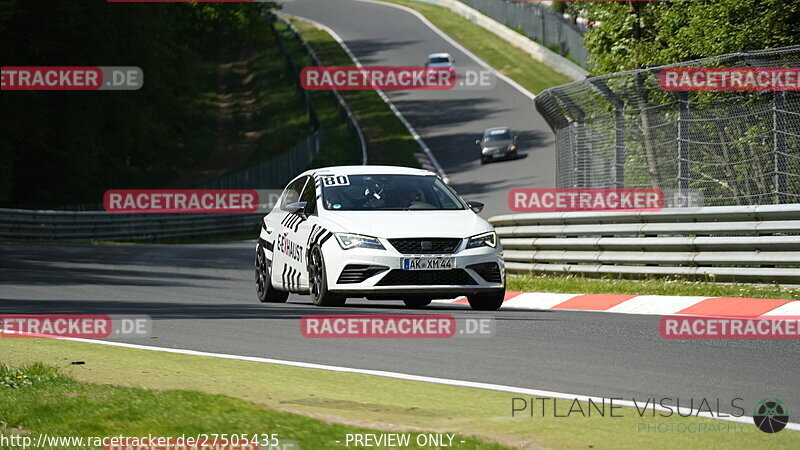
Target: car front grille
(489, 271)
(398, 277)
(357, 273)
(423, 246)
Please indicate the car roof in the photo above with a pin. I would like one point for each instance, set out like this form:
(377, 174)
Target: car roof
(496, 129)
(439, 55)
(368, 170)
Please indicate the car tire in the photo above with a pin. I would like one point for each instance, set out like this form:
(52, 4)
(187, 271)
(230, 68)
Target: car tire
(417, 302)
(484, 160)
(318, 281)
(265, 292)
(487, 302)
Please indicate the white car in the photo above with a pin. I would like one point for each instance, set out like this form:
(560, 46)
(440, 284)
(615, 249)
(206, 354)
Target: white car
(440, 61)
(379, 232)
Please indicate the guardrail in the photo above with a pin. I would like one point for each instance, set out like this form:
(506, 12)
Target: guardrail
(21, 224)
(537, 30)
(742, 243)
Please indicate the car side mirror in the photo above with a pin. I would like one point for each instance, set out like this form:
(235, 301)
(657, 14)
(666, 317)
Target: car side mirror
(515, 139)
(295, 208)
(477, 142)
(476, 207)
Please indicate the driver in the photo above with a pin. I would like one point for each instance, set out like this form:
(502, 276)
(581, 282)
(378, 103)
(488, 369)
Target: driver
(402, 196)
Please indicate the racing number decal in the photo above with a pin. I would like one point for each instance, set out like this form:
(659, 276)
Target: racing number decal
(340, 180)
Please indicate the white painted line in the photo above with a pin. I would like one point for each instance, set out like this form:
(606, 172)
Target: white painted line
(383, 96)
(455, 44)
(656, 304)
(789, 309)
(536, 300)
(420, 378)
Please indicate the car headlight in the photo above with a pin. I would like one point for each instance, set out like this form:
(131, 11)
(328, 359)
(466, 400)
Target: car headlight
(512, 147)
(486, 239)
(349, 240)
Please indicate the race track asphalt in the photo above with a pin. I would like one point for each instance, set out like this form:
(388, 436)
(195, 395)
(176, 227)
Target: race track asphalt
(201, 297)
(448, 121)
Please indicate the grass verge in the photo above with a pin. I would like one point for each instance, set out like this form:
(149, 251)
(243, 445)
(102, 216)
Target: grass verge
(348, 399)
(504, 57)
(571, 284)
(39, 399)
(388, 140)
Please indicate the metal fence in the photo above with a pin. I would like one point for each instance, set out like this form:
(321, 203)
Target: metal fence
(539, 23)
(727, 243)
(730, 148)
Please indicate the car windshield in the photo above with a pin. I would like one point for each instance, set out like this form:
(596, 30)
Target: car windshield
(438, 60)
(497, 136)
(387, 193)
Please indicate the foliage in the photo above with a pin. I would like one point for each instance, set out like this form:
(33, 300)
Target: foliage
(67, 147)
(635, 34)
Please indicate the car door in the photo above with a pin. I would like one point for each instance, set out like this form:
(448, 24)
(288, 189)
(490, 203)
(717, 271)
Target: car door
(305, 227)
(288, 252)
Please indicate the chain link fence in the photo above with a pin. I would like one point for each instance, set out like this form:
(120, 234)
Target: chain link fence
(539, 23)
(730, 148)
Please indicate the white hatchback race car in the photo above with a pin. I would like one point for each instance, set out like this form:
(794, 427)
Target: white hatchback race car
(378, 232)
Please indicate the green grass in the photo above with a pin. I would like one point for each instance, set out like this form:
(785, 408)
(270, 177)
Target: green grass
(388, 140)
(339, 145)
(571, 284)
(504, 57)
(242, 389)
(42, 400)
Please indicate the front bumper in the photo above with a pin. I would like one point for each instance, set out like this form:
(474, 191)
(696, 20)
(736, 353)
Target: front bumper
(496, 153)
(385, 275)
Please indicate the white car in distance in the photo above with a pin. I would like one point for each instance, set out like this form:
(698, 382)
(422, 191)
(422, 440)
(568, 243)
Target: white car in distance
(381, 233)
(440, 61)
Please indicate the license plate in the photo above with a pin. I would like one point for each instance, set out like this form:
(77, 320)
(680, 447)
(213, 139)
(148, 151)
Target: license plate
(427, 263)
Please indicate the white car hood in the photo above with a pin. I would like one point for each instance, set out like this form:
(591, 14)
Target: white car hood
(417, 223)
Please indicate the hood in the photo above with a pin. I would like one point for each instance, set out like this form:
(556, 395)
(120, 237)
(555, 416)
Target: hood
(497, 144)
(393, 224)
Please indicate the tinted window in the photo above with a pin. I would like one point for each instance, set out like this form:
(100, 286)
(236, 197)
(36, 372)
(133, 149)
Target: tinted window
(497, 136)
(292, 192)
(309, 196)
(438, 60)
(389, 193)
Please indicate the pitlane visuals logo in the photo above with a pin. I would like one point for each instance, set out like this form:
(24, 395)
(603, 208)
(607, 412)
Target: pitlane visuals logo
(771, 415)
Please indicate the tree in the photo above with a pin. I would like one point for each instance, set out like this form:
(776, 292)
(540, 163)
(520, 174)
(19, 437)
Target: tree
(636, 34)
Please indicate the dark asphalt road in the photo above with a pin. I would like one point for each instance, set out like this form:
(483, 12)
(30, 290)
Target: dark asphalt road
(448, 121)
(201, 297)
